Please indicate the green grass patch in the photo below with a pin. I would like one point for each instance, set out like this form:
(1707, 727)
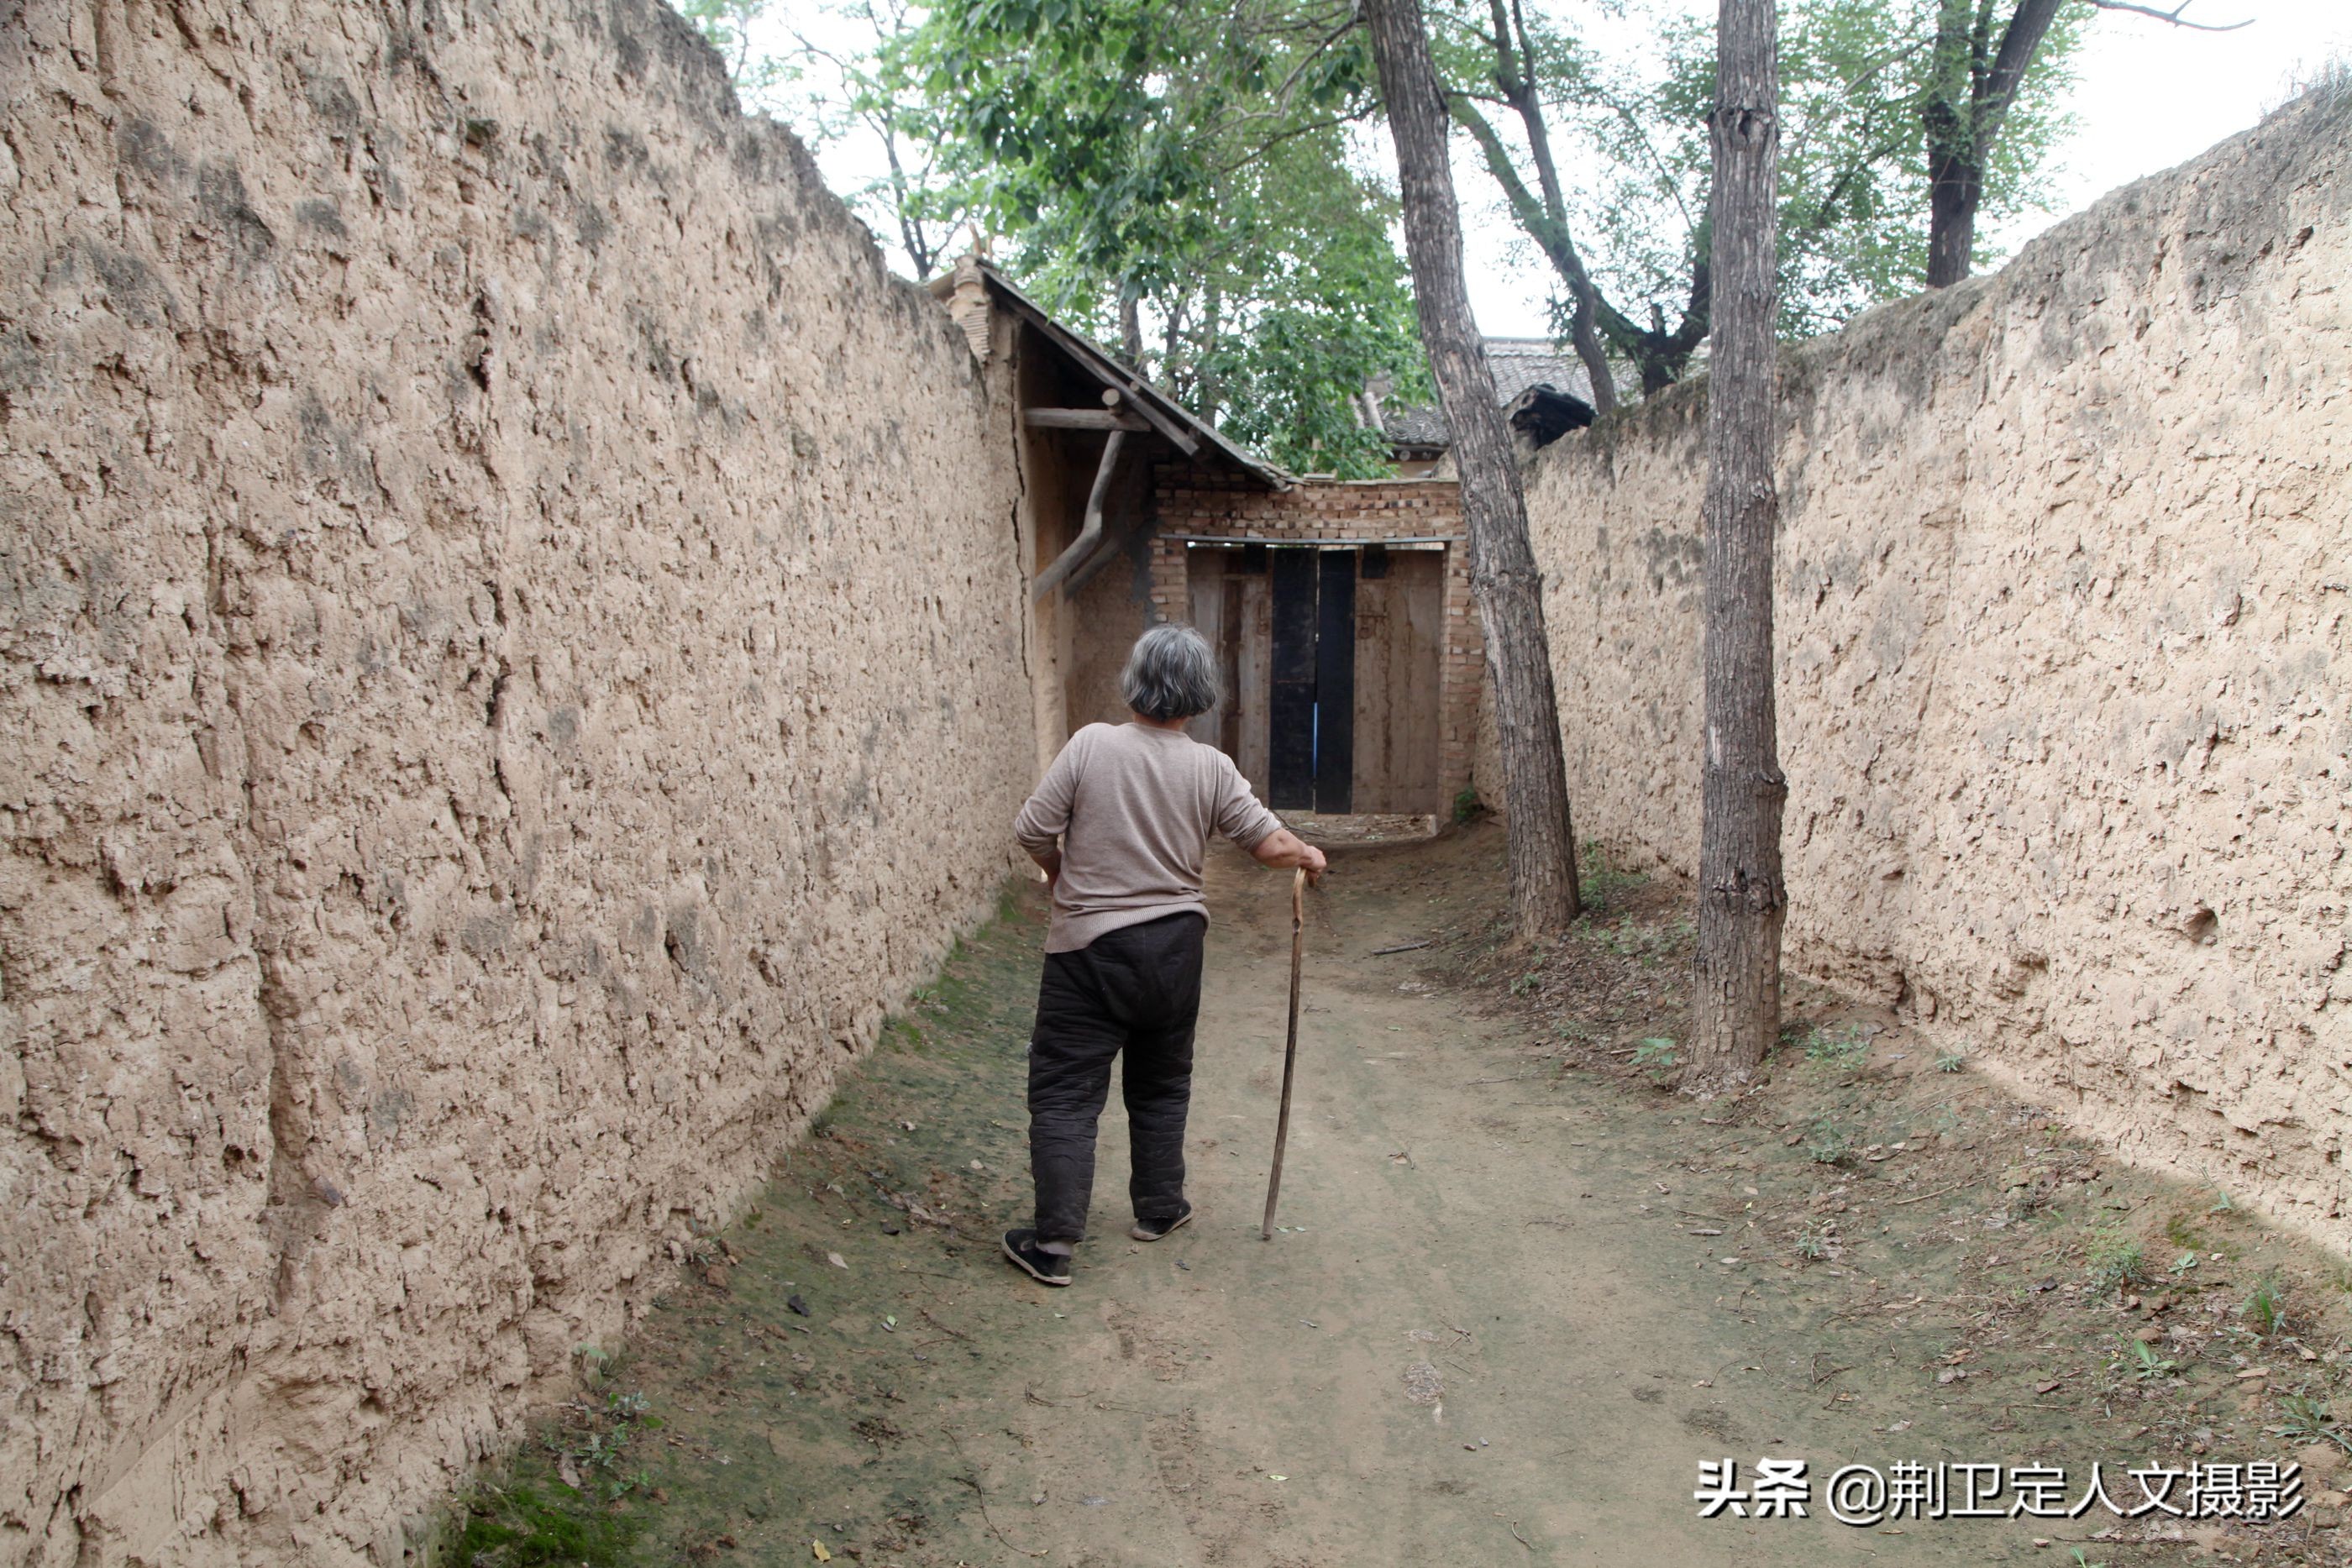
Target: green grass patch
(1843, 1046)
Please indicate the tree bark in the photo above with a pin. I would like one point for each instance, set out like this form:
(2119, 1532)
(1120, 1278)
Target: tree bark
(1131, 327)
(1736, 981)
(1961, 137)
(1956, 187)
(1503, 576)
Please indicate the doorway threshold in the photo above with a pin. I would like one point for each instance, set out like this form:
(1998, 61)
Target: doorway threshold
(1352, 829)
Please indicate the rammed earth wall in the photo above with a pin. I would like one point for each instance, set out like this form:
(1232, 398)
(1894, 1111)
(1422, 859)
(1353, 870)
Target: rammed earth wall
(512, 664)
(2065, 659)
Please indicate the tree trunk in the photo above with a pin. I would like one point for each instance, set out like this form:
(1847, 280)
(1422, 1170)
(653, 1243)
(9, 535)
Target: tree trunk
(1956, 187)
(1503, 576)
(1736, 981)
(1131, 327)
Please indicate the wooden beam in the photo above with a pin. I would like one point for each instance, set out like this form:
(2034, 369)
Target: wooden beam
(1081, 419)
(1090, 530)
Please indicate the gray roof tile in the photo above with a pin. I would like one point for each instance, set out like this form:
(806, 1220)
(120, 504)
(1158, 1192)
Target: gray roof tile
(1518, 363)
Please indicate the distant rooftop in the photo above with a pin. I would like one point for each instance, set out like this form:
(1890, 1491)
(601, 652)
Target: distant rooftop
(1519, 364)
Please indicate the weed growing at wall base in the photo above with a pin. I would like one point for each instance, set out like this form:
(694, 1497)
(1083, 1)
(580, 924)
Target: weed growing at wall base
(516, 1527)
(1657, 1057)
(571, 1495)
(2116, 1260)
(1840, 1046)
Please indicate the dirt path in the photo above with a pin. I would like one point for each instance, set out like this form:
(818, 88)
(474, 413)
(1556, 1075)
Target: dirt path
(1512, 1312)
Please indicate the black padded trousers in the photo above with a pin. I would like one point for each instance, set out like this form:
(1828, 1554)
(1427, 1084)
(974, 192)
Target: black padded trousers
(1136, 989)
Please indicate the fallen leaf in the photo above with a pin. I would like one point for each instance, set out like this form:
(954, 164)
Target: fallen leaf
(1272, 1477)
(797, 1305)
(835, 1259)
(567, 1472)
(817, 1549)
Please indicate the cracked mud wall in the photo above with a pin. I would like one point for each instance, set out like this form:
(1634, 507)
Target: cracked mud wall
(2064, 633)
(512, 664)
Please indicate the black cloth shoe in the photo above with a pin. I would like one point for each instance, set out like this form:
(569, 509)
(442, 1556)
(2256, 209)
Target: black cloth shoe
(1046, 1267)
(1153, 1229)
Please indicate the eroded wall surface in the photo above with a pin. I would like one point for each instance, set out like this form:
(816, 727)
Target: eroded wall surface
(511, 662)
(2064, 623)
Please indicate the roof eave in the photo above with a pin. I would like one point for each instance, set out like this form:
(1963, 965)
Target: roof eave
(1155, 406)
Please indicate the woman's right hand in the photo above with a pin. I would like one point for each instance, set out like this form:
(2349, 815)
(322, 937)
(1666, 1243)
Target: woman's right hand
(1283, 849)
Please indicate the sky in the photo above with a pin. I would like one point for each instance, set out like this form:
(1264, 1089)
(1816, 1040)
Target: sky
(2147, 95)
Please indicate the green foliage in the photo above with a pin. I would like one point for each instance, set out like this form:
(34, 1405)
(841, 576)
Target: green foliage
(1186, 183)
(1840, 1046)
(1466, 807)
(1658, 1059)
(564, 1498)
(1833, 1144)
(1857, 80)
(1950, 1060)
(1177, 182)
(1603, 884)
(2115, 1259)
(2143, 1364)
(2306, 1418)
(2265, 1307)
(1631, 938)
(728, 25)
(520, 1527)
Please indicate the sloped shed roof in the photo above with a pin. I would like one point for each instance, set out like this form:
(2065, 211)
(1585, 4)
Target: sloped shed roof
(1189, 432)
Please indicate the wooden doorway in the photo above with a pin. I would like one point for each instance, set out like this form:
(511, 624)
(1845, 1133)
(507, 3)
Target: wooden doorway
(1329, 660)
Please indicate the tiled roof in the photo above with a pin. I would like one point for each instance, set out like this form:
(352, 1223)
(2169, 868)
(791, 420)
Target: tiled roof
(1518, 363)
(1523, 362)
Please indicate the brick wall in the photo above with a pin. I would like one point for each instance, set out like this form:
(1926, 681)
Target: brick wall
(1192, 501)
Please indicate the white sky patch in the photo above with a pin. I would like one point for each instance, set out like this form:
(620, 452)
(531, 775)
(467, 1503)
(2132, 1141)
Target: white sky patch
(2147, 96)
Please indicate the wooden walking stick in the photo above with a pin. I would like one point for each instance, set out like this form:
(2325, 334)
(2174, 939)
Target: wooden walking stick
(1289, 1047)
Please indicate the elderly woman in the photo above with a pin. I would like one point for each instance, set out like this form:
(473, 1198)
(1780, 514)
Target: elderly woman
(1133, 806)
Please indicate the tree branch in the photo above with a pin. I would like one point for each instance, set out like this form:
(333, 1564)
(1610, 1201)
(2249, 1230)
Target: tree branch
(1550, 233)
(2020, 42)
(2173, 15)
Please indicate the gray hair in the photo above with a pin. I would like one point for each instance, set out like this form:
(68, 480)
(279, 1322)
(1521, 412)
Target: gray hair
(1171, 674)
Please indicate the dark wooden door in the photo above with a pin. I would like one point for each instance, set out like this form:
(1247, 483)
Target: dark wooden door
(1290, 707)
(1311, 706)
(1335, 681)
